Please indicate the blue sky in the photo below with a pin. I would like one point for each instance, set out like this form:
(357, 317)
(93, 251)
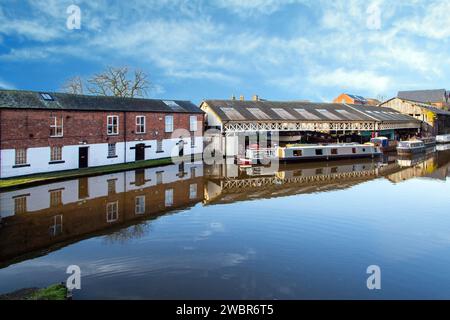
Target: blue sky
(192, 49)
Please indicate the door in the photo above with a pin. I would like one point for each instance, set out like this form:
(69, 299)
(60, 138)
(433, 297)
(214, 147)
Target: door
(140, 152)
(83, 157)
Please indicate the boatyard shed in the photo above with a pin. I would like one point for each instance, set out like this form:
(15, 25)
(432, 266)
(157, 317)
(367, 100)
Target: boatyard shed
(234, 118)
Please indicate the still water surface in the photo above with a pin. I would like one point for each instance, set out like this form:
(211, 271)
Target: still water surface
(194, 231)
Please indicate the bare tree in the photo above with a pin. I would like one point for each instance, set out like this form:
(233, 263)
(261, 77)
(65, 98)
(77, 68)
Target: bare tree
(117, 82)
(73, 85)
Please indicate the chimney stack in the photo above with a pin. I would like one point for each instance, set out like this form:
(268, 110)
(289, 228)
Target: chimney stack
(242, 98)
(233, 97)
(255, 97)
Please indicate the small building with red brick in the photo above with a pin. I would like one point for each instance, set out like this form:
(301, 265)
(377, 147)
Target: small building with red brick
(45, 132)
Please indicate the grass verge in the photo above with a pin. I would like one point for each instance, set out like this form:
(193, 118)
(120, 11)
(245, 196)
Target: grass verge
(61, 175)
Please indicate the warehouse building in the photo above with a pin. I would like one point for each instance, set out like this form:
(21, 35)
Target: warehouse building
(46, 132)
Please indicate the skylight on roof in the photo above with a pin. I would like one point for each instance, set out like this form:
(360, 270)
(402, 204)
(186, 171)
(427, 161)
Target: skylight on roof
(258, 113)
(328, 114)
(232, 113)
(173, 105)
(348, 115)
(46, 96)
(307, 115)
(283, 114)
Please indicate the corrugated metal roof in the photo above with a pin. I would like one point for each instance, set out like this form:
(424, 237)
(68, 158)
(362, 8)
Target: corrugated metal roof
(17, 99)
(304, 111)
(426, 96)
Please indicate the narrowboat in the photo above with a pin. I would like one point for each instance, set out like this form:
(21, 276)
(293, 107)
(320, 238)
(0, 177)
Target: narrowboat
(429, 141)
(443, 138)
(385, 144)
(308, 152)
(410, 147)
(327, 152)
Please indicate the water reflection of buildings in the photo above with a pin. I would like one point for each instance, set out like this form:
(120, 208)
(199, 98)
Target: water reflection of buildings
(43, 218)
(50, 216)
(229, 184)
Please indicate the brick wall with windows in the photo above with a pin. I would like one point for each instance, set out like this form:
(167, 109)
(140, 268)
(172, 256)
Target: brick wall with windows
(30, 128)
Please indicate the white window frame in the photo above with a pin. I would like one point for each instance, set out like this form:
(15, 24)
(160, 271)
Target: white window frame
(139, 205)
(22, 157)
(168, 126)
(112, 126)
(55, 127)
(193, 191)
(141, 125)
(159, 146)
(193, 123)
(110, 155)
(58, 154)
(168, 198)
(112, 211)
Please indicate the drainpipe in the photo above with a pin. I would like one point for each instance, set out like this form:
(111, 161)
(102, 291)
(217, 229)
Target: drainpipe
(125, 136)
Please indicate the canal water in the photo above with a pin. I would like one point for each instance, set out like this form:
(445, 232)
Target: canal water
(197, 231)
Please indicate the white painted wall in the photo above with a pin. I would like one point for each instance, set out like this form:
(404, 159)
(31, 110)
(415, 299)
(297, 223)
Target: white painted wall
(39, 158)
(38, 197)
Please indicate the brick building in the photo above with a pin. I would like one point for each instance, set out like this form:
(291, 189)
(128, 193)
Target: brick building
(44, 132)
(355, 99)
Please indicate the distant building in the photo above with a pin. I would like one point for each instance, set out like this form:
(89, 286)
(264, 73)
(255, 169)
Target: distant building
(435, 121)
(45, 132)
(355, 99)
(439, 98)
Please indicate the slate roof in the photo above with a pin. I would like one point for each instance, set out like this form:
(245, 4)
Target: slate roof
(18, 99)
(301, 111)
(426, 96)
(356, 97)
(423, 105)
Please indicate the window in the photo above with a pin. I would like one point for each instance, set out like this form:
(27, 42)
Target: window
(111, 186)
(192, 142)
(56, 127)
(353, 150)
(319, 152)
(46, 97)
(112, 150)
(112, 125)
(55, 198)
(297, 153)
(159, 177)
(56, 228)
(193, 123)
(140, 124)
(193, 191)
(21, 157)
(159, 146)
(169, 198)
(169, 123)
(139, 207)
(112, 211)
(55, 153)
(20, 205)
(283, 114)
(193, 173)
(334, 151)
(232, 113)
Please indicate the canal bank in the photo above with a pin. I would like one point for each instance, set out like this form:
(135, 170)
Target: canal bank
(63, 175)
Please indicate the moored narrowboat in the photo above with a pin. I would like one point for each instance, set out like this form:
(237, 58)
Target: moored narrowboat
(443, 138)
(384, 144)
(327, 152)
(410, 147)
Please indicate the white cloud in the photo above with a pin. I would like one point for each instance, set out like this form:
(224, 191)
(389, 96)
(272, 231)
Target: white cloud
(6, 85)
(351, 79)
